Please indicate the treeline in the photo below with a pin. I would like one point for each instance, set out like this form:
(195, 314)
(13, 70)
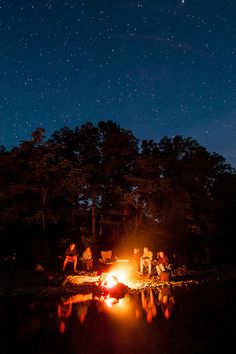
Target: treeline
(100, 185)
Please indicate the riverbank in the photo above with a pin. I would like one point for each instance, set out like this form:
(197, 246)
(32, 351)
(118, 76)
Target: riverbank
(49, 284)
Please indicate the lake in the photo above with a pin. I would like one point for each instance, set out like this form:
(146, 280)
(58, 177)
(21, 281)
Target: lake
(178, 320)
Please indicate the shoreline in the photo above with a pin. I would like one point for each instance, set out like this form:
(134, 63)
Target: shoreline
(53, 284)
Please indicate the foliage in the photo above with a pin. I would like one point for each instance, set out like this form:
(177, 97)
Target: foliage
(95, 184)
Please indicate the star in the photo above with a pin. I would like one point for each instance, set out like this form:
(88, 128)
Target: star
(152, 69)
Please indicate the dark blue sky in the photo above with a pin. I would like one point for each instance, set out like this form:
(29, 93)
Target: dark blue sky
(162, 67)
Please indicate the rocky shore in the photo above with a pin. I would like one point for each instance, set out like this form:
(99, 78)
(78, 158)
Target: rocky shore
(47, 283)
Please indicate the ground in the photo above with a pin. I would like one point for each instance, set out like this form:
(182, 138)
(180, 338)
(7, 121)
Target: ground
(46, 283)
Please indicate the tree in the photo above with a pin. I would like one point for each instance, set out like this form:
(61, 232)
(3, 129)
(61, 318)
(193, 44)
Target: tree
(119, 151)
(96, 177)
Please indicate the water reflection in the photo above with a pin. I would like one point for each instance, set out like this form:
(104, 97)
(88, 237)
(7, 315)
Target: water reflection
(148, 321)
(148, 304)
(145, 304)
(166, 301)
(64, 311)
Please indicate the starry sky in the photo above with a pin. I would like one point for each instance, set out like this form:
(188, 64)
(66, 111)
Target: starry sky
(157, 67)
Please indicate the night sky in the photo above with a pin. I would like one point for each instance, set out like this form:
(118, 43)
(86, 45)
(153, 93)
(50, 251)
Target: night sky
(163, 67)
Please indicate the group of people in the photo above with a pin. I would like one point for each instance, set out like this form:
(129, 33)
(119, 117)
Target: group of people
(71, 256)
(141, 263)
(161, 263)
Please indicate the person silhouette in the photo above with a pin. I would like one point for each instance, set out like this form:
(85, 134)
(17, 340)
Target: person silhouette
(71, 256)
(146, 260)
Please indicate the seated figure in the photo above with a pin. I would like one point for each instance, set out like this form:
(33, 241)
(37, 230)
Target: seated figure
(70, 256)
(87, 258)
(146, 260)
(135, 260)
(162, 262)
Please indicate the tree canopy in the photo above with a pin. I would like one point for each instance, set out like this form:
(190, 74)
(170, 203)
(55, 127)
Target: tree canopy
(101, 184)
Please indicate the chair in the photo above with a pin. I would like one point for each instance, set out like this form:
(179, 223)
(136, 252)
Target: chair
(153, 267)
(107, 257)
(164, 275)
(154, 270)
(146, 266)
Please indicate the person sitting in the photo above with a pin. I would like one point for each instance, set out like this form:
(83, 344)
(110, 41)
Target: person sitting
(87, 258)
(135, 260)
(70, 256)
(146, 260)
(162, 263)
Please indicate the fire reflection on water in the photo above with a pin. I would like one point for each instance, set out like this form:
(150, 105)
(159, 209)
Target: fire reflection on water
(150, 321)
(147, 304)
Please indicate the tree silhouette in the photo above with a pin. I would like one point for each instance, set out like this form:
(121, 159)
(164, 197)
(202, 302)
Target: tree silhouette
(98, 180)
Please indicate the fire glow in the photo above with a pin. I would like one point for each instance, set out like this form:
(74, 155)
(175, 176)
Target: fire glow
(109, 281)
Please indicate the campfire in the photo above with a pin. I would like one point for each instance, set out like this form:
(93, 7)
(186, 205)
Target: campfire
(110, 285)
(108, 280)
(119, 273)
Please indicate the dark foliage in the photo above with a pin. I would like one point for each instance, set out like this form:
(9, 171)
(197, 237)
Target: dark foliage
(95, 185)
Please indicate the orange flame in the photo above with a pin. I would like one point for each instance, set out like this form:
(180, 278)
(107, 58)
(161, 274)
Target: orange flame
(109, 281)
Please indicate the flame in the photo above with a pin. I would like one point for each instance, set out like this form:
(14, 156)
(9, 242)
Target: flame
(117, 275)
(121, 273)
(109, 281)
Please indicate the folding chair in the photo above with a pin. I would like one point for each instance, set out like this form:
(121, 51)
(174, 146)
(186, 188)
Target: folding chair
(106, 257)
(165, 275)
(153, 269)
(146, 267)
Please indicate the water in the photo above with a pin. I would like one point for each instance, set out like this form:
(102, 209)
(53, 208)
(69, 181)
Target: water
(199, 319)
